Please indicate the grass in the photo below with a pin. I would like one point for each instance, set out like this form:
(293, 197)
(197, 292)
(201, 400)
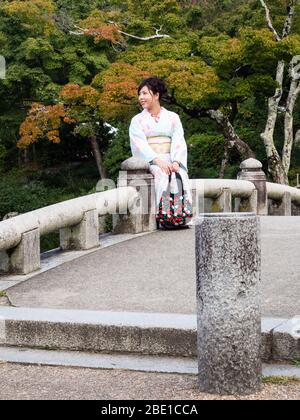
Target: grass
(2, 294)
(280, 380)
(296, 363)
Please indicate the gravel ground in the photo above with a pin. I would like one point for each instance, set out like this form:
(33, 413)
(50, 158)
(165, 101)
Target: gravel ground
(26, 382)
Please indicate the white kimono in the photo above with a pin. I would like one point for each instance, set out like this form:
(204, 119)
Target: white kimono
(143, 126)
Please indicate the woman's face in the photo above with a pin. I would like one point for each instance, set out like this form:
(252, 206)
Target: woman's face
(147, 98)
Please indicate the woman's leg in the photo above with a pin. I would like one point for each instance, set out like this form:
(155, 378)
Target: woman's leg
(161, 180)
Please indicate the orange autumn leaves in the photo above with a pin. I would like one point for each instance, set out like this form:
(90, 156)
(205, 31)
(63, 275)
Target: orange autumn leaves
(119, 90)
(44, 121)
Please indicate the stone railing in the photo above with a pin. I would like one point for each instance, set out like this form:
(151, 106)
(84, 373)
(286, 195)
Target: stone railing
(132, 205)
(77, 221)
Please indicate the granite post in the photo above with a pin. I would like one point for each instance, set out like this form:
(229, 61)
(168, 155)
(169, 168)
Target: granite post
(228, 258)
(25, 257)
(251, 170)
(135, 172)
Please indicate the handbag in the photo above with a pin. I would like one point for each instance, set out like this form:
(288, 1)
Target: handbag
(175, 209)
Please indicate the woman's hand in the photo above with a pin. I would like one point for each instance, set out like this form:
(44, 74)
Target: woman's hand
(164, 165)
(175, 167)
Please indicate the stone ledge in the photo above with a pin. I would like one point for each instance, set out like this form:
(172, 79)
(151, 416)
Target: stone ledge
(267, 328)
(129, 332)
(140, 363)
(286, 340)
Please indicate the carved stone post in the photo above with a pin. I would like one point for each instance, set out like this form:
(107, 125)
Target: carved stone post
(136, 173)
(84, 236)
(228, 259)
(251, 170)
(25, 257)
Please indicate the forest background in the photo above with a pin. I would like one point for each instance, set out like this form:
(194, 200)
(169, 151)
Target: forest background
(72, 71)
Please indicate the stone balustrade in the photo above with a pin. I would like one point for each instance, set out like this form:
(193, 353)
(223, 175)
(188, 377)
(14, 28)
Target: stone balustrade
(132, 205)
(76, 219)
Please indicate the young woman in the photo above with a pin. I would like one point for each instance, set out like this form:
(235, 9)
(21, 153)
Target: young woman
(157, 136)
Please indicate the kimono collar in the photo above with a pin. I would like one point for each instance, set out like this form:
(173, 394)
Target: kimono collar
(156, 119)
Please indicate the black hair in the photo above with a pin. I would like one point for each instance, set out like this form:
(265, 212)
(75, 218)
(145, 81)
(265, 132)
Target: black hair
(155, 84)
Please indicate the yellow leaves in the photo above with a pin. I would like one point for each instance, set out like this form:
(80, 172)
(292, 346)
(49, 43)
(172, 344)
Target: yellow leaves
(53, 136)
(108, 33)
(219, 50)
(79, 104)
(96, 26)
(191, 80)
(41, 122)
(73, 94)
(17, 6)
(69, 120)
(119, 90)
(35, 15)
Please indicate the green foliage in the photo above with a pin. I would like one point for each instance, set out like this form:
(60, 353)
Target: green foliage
(220, 55)
(118, 151)
(205, 155)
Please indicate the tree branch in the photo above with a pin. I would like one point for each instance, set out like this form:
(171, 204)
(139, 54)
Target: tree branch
(231, 137)
(82, 31)
(148, 38)
(269, 20)
(289, 19)
(297, 137)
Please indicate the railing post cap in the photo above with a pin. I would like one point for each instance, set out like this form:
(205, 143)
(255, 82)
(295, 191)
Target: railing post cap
(251, 164)
(135, 164)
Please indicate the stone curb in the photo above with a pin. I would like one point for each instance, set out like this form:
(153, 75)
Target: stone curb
(130, 332)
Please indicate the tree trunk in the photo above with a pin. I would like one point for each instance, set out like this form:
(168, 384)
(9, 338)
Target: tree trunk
(97, 156)
(275, 165)
(230, 135)
(224, 161)
(26, 155)
(289, 126)
(34, 155)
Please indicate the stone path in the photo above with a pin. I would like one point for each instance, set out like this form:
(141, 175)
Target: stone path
(156, 273)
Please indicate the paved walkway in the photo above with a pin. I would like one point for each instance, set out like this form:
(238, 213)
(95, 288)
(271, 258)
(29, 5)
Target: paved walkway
(61, 383)
(156, 273)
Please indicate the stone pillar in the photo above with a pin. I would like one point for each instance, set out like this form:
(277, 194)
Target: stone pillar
(83, 236)
(251, 170)
(223, 203)
(135, 173)
(247, 204)
(283, 207)
(295, 209)
(228, 259)
(102, 224)
(25, 257)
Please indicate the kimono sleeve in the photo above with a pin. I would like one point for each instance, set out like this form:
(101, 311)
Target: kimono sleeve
(179, 147)
(138, 142)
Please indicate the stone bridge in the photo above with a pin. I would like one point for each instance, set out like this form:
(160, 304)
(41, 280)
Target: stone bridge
(132, 291)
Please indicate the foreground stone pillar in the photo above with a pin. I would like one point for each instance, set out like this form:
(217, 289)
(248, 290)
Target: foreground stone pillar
(229, 319)
(251, 170)
(136, 173)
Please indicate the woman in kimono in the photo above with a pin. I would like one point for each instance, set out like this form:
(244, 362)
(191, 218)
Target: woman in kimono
(157, 136)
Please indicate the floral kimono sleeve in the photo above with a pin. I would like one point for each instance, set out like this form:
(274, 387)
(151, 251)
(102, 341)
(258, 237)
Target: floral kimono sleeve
(138, 142)
(179, 147)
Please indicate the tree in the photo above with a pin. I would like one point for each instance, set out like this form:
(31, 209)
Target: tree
(279, 166)
(41, 58)
(79, 108)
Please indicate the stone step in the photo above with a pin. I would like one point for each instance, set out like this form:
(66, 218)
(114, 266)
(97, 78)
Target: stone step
(140, 363)
(173, 335)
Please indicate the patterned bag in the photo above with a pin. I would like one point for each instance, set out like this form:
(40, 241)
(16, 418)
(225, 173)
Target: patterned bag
(175, 209)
